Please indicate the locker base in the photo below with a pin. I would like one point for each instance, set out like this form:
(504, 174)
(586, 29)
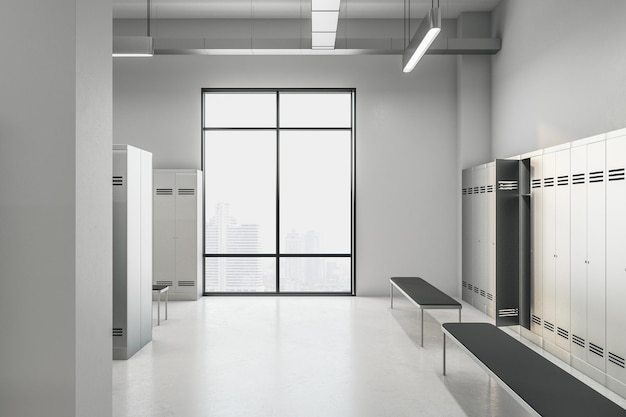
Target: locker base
(616, 386)
(589, 370)
(557, 351)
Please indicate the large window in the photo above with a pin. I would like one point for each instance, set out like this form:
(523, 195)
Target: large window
(279, 191)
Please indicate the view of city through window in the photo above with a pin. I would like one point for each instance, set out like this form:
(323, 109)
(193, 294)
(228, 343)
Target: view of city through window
(278, 169)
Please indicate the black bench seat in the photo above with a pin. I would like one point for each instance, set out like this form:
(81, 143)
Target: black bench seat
(423, 295)
(542, 387)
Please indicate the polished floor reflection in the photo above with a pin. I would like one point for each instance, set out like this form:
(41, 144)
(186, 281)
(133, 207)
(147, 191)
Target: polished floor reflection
(304, 357)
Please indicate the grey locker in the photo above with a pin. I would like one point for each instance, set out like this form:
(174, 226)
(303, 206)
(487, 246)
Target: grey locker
(616, 260)
(132, 250)
(178, 232)
(481, 232)
(536, 219)
(491, 241)
(466, 230)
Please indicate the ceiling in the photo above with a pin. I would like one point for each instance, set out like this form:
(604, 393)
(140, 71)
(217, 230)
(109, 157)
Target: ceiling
(277, 26)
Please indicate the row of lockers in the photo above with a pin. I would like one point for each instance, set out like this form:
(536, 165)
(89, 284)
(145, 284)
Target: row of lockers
(578, 247)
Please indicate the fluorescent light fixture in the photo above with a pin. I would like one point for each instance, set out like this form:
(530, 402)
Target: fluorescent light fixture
(323, 40)
(324, 21)
(132, 46)
(325, 5)
(425, 35)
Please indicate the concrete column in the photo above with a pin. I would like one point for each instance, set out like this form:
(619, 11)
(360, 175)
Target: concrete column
(55, 208)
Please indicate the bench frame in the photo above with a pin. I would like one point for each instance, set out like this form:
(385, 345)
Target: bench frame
(421, 308)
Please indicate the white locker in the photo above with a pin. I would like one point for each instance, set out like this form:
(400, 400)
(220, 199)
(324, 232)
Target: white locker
(616, 260)
(549, 248)
(596, 255)
(562, 245)
(132, 250)
(536, 259)
(178, 232)
(579, 251)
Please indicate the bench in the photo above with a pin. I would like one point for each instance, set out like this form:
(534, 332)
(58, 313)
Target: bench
(540, 386)
(423, 295)
(160, 289)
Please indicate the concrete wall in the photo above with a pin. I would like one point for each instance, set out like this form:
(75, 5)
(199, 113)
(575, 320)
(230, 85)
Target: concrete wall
(560, 74)
(55, 208)
(406, 143)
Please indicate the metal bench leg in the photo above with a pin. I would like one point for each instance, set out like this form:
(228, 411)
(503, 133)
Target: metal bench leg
(159, 309)
(444, 354)
(459, 315)
(391, 294)
(422, 326)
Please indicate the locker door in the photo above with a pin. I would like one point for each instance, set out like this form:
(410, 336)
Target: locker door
(466, 196)
(579, 251)
(482, 234)
(616, 258)
(596, 234)
(186, 233)
(164, 229)
(536, 190)
(549, 249)
(490, 289)
(562, 245)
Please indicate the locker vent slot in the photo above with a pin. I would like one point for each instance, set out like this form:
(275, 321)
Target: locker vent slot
(464, 191)
(470, 287)
(476, 289)
(548, 182)
(482, 293)
(562, 332)
(118, 331)
(617, 360)
(169, 283)
(118, 180)
(508, 312)
(483, 189)
(489, 297)
(490, 188)
(596, 176)
(470, 191)
(562, 180)
(596, 349)
(186, 283)
(578, 341)
(536, 320)
(578, 178)
(476, 190)
(548, 326)
(186, 191)
(164, 191)
(616, 174)
(536, 183)
(507, 185)
(464, 284)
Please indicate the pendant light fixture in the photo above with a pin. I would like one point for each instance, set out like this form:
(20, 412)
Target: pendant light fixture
(426, 33)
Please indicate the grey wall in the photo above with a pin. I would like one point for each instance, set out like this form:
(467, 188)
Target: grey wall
(560, 74)
(55, 208)
(406, 143)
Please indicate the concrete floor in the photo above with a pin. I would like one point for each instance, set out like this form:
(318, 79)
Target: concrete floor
(304, 357)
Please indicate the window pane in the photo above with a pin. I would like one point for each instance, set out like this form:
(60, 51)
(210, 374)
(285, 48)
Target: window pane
(315, 110)
(240, 274)
(315, 192)
(240, 192)
(315, 274)
(240, 110)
